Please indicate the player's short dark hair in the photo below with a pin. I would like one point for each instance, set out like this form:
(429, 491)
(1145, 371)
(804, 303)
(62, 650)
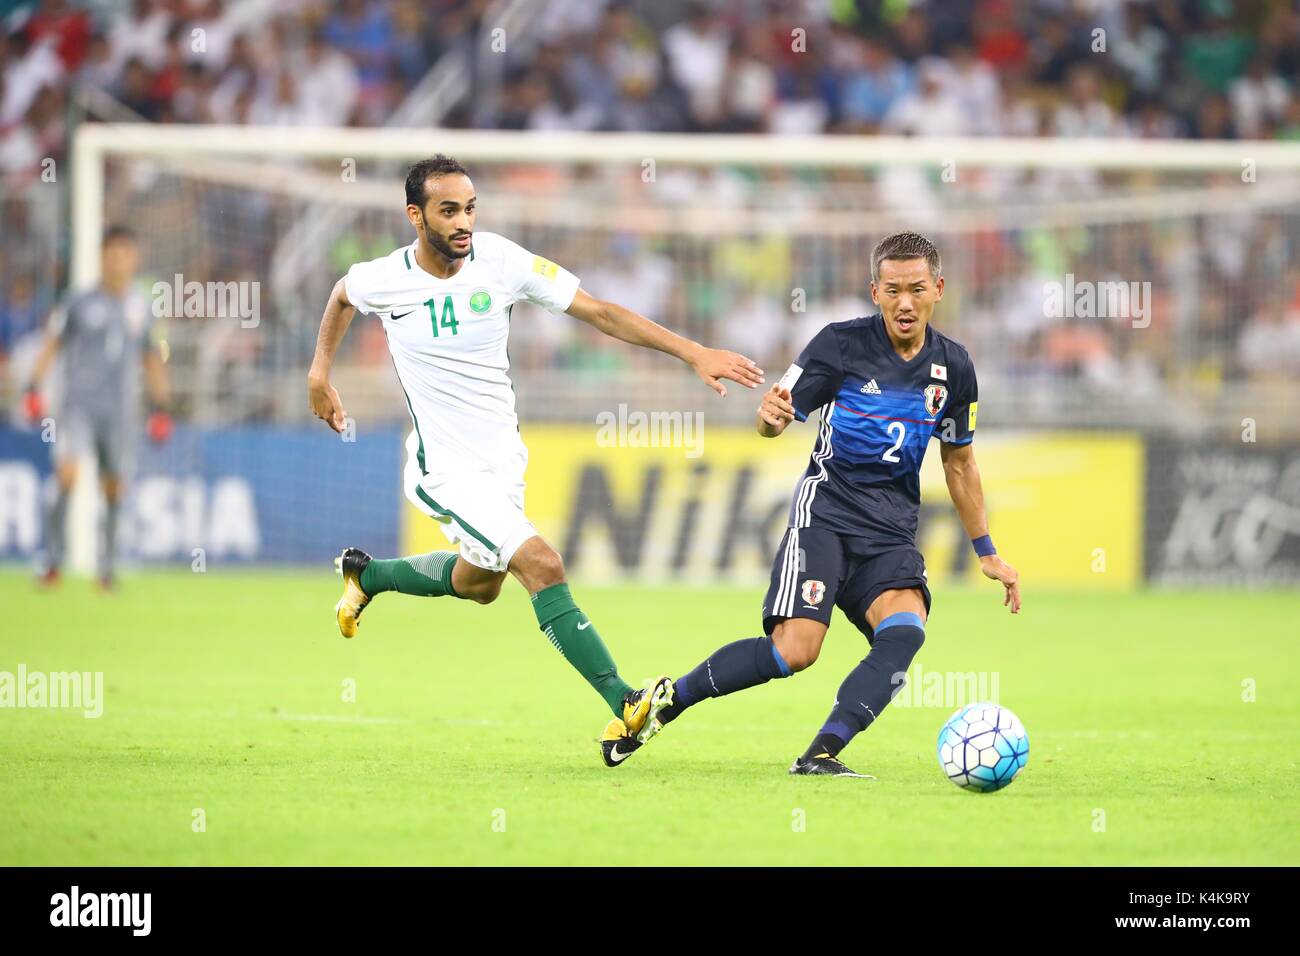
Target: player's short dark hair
(905, 245)
(416, 176)
(118, 233)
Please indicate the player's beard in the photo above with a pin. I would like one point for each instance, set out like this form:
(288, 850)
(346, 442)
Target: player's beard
(444, 247)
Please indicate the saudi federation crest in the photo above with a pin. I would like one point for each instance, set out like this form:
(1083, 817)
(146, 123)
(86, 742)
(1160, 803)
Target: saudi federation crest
(480, 301)
(813, 592)
(935, 396)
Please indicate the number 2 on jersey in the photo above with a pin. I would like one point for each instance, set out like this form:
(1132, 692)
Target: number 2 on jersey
(448, 315)
(902, 432)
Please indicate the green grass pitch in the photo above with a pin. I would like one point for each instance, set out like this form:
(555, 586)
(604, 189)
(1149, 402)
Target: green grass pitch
(470, 741)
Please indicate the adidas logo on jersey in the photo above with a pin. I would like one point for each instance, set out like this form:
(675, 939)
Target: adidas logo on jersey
(871, 388)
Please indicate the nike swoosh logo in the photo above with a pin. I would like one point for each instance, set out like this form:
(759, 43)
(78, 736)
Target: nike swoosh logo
(584, 625)
(615, 756)
(395, 316)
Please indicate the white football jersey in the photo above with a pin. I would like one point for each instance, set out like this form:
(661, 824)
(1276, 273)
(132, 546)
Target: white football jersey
(448, 342)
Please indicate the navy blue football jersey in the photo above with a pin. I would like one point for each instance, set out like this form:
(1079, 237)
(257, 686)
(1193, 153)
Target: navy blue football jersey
(878, 413)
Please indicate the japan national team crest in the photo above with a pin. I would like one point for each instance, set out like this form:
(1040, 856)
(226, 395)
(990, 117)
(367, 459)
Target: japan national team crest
(935, 396)
(813, 592)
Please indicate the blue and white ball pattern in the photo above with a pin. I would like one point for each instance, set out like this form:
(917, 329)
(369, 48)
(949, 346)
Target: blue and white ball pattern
(982, 747)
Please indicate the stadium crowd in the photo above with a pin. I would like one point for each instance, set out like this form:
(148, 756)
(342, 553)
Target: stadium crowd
(1160, 68)
(1069, 68)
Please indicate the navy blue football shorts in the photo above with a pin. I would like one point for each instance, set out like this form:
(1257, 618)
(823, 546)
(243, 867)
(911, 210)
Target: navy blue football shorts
(816, 570)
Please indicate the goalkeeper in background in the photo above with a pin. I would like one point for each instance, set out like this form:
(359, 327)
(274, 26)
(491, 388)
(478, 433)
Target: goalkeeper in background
(106, 336)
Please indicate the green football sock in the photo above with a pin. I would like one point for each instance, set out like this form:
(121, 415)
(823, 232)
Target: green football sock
(426, 575)
(575, 636)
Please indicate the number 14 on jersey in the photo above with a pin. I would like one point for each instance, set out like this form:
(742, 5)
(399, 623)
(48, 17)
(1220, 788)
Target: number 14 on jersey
(447, 320)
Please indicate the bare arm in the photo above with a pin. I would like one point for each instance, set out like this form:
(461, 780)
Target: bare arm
(324, 398)
(963, 477)
(712, 365)
(155, 376)
(44, 359)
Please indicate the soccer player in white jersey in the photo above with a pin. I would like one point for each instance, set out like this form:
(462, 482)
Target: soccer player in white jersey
(445, 303)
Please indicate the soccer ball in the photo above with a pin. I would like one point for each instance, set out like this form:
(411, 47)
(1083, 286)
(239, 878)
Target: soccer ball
(982, 747)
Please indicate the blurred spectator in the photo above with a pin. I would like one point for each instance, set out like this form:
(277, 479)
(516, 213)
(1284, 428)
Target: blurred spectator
(1259, 100)
(278, 102)
(873, 88)
(929, 110)
(141, 35)
(417, 41)
(803, 112)
(1058, 47)
(1084, 114)
(1289, 128)
(365, 32)
(135, 90)
(1214, 119)
(697, 51)
(66, 29)
(28, 67)
(1269, 347)
(998, 39)
(1140, 48)
(1015, 113)
(21, 311)
(1149, 120)
(208, 36)
(328, 83)
(20, 156)
(634, 274)
(973, 86)
(98, 68)
(1213, 56)
(750, 86)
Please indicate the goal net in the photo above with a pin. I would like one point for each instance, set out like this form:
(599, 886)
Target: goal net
(1141, 286)
(1099, 283)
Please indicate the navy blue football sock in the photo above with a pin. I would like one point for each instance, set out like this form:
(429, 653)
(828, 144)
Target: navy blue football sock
(872, 684)
(738, 665)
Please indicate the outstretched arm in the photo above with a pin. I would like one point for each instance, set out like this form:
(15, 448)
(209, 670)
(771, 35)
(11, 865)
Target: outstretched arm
(712, 365)
(324, 398)
(963, 478)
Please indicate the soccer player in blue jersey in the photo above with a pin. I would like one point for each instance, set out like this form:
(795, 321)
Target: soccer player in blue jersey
(884, 385)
